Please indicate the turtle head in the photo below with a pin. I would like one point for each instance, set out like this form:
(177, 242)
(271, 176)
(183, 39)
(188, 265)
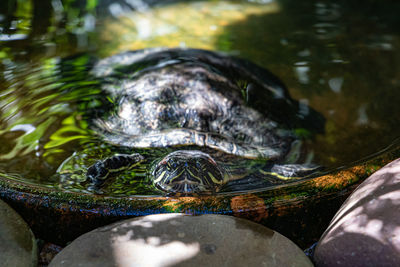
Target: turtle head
(188, 171)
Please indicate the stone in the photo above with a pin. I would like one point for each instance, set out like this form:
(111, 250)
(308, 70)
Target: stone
(366, 229)
(17, 243)
(182, 240)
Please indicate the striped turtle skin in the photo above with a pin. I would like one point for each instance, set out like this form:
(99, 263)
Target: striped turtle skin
(99, 171)
(189, 171)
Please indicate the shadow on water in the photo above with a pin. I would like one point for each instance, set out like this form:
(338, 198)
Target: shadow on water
(342, 58)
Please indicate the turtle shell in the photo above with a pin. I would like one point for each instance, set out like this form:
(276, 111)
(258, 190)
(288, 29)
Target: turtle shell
(189, 97)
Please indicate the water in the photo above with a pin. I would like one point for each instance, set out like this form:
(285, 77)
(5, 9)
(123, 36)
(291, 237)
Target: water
(341, 58)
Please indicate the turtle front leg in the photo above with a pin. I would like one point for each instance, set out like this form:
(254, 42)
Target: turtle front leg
(99, 171)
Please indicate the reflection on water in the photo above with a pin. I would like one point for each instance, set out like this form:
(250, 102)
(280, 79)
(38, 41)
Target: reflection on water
(39, 115)
(340, 58)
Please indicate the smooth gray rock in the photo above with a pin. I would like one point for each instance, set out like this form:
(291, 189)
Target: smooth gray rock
(182, 240)
(17, 243)
(366, 229)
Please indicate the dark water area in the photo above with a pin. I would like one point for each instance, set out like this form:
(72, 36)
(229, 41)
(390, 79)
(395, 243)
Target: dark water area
(339, 57)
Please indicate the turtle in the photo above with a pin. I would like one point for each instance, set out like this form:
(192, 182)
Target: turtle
(218, 112)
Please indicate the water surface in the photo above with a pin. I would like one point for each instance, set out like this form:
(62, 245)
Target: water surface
(340, 58)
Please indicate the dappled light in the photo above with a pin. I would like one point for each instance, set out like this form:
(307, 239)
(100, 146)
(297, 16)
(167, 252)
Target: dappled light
(367, 226)
(285, 106)
(182, 240)
(148, 247)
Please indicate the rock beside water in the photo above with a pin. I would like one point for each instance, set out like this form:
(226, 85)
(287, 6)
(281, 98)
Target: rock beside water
(366, 229)
(182, 240)
(17, 243)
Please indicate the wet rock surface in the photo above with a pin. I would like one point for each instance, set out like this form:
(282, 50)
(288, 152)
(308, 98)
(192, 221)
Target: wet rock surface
(17, 243)
(182, 240)
(366, 229)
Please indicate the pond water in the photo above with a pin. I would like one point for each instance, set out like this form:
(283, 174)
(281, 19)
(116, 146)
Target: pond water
(341, 58)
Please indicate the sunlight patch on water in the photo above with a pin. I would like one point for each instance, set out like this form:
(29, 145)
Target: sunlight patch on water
(200, 27)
